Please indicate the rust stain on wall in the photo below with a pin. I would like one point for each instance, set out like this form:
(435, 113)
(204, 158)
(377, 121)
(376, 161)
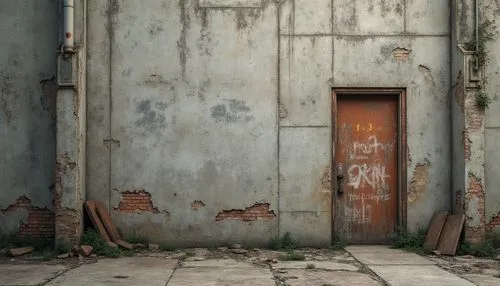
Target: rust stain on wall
(401, 54)
(252, 213)
(135, 202)
(418, 184)
(40, 221)
(196, 205)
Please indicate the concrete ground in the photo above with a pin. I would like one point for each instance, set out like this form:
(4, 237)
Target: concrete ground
(357, 265)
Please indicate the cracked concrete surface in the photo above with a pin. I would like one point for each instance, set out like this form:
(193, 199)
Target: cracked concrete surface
(358, 265)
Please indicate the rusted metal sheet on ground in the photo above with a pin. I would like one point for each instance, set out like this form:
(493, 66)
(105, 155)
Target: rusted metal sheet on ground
(90, 207)
(109, 227)
(366, 167)
(435, 230)
(450, 235)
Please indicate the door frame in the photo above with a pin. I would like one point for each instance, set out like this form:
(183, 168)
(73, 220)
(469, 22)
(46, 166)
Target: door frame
(402, 155)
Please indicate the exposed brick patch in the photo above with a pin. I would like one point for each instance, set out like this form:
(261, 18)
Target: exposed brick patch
(460, 91)
(255, 212)
(401, 54)
(196, 205)
(475, 218)
(494, 223)
(474, 118)
(40, 222)
(68, 226)
(418, 183)
(467, 142)
(136, 201)
(459, 206)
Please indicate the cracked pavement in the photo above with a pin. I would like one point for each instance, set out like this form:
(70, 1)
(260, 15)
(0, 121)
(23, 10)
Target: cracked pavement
(356, 265)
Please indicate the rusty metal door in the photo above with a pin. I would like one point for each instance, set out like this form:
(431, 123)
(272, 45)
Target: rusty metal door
(366, 167)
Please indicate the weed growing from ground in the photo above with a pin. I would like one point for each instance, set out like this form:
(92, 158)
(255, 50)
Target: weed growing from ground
(283, 243)
(486, 249)
(408, 241)
(100, 246)
(292, 256)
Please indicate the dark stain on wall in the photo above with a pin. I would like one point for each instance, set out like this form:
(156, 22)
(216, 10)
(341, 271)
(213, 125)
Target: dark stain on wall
(150, 119)
(234, 111)
(182, 45)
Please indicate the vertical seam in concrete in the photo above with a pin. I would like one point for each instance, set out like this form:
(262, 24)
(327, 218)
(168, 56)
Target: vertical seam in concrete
(332, 136)
(450, 100)
(278, 110)
(110, 36)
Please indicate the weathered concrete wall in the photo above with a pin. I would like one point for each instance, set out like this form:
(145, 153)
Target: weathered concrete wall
(491, 11)
(212, 123)
(372, 49)
(29, 33)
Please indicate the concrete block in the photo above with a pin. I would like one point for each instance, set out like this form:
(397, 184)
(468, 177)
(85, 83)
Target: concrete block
(123, 271)
(369, 17)
(382, 255)
(492, 157)
(305, 68)
(300, 277)
(29, 274)
(372, 62)
(230, 3)
(305, 17)
(250, 276)
(308, 228)
(418, 275)
(306, 188)
(428, 17)
(311, 17)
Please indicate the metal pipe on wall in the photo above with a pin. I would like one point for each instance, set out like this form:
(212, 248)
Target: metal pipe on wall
(68, 25)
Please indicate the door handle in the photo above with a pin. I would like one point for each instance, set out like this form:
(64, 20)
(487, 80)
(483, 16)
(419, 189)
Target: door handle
(340, 178)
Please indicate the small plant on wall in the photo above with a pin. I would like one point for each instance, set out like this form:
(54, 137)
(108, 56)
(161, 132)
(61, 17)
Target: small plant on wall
(485, 33)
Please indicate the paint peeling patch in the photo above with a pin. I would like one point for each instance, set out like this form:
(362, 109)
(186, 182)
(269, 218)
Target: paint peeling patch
(150, 119)
(6, 96)
(474, 117)
(459, 91)
(426, 72)
(196, 205)
(48, 98)
(474, 202)
(283, 112)
(326, 180)
(401, 54)
(235, 111)
(418, 184)
(39, 223)
(467, 143)
(259, 211)
(494, 223)
(137, 201)
(156, 80)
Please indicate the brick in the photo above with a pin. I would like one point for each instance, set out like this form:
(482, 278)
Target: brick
(252, 213)
(136, 201)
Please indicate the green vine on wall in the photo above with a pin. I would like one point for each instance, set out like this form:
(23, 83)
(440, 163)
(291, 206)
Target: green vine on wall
(486, 32)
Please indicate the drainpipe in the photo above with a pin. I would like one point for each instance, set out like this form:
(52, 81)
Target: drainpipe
(68, 25)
